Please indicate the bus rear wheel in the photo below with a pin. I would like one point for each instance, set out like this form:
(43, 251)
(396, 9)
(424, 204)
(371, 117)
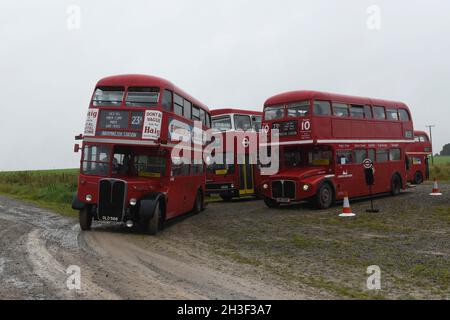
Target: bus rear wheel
(324, 197)
(396, 185)
(154, 224)
(198, 204)
(85, 219)
(271, 203)
(418, 178)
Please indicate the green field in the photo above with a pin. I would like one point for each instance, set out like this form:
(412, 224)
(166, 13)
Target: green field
(442, 160)
(53, 189)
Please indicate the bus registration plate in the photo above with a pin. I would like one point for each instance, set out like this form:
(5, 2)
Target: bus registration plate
(283, 200)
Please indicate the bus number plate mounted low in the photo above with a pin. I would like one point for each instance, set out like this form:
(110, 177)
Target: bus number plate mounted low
(283, 200)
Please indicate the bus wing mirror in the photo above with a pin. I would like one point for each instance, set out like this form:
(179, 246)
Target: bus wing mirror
(76, 148)
(79, 137)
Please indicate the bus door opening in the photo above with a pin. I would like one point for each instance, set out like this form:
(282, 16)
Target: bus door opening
(246, 175)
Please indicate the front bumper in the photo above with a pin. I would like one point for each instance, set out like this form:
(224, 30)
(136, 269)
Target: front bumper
(226, 189)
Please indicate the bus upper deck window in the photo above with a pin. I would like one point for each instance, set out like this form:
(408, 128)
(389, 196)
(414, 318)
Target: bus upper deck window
(368, 112)
(108, 96)
(142, 97)
(274, 113)
(222, 124)
(256, 123)
(299, 109)
(167, 101)
(392, 114)
(357, 111)
(404, 116)
(178, 104)
(187, 109)
(203, 117)
(340, 109)
(379, 113)
(242, 122)
(322, 108)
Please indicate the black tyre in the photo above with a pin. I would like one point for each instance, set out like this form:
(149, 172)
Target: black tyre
(396, 185)
(324, 198)
(271, 203)
(198, 204)
(85, 219)
(418, 178)
(155, 223)
(226, 197)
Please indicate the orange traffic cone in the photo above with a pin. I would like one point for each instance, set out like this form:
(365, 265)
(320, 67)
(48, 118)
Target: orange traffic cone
(347, 210)
(436, 191)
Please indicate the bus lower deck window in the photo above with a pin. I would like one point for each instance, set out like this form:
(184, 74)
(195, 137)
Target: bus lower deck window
(394, 154)
(360, 155)
(344, 157)
(382, 155)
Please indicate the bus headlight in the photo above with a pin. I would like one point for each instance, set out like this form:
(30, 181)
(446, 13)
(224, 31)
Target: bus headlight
(306, 187)
(88, 198)
(265, 186)
(232, 186)
(133, 202)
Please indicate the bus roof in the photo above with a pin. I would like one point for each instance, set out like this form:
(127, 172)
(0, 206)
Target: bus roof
(219, 112)
(140, 80)
(420, 133)
(296, 96)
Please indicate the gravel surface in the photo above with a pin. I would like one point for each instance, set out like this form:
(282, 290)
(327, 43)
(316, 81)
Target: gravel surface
(236, 250)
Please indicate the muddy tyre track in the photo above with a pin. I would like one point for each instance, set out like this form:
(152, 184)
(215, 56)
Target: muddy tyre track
(38, 246)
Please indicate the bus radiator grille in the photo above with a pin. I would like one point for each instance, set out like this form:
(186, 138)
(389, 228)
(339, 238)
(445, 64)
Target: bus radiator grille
(112, 194)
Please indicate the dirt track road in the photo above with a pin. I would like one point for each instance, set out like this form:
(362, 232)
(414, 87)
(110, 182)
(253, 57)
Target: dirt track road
(38, 246)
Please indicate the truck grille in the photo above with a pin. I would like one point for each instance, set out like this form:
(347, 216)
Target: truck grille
(111, 199)
(283, 189)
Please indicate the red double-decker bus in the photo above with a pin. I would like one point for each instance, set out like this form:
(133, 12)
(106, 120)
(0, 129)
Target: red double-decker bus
(418, 158)
(323, 141)
(128, 173)
(237, 176)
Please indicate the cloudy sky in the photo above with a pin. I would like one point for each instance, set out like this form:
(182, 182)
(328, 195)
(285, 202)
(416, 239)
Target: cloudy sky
(225, 53)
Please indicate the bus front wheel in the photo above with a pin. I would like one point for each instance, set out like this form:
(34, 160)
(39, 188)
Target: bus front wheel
(324, 197)
(154, 223)
(418, 178)
(85, 219)
(396, 185)
(271, 203)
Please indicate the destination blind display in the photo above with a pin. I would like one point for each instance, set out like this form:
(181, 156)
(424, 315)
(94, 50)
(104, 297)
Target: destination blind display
(115, 123)
(288, 128)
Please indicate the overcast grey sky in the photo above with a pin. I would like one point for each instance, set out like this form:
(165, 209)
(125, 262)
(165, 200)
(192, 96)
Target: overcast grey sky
(225, 53)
